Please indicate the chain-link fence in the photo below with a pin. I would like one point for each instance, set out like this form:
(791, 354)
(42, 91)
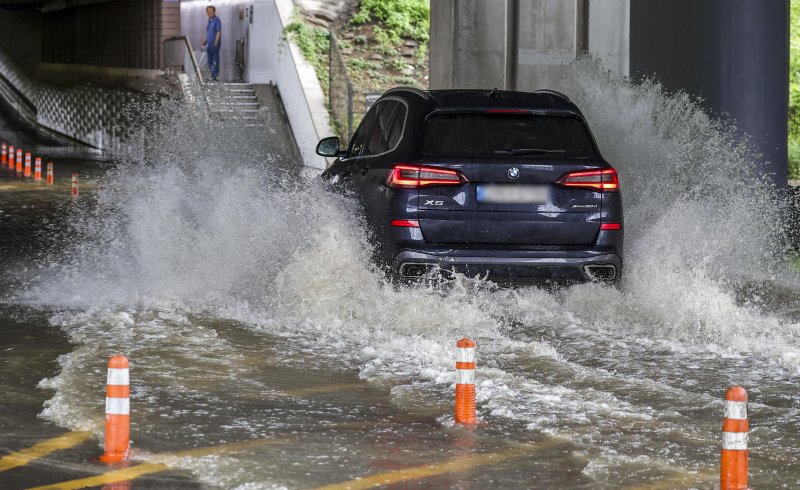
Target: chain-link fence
(340, 92)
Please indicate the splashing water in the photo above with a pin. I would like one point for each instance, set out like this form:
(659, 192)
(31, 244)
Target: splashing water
(221, 230)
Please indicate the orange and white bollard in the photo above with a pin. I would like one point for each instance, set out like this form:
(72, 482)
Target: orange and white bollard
(19, 161)
(27, 165)
(50, 176)
(74, 185)
(735, 429)
(37, 170)
(118, 419)
(4, 154)
(465, 382)
(11, 158)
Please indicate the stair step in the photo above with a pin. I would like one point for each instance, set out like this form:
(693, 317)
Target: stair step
(234, 104)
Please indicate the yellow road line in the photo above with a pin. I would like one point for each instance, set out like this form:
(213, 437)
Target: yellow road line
(458, 464)
(42, 449)
(125, 474)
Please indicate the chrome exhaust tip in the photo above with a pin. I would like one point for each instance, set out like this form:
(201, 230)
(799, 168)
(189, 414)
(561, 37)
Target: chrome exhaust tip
(600, 273)
(415, 269)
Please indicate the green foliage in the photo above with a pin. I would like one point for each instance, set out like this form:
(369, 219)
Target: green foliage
(794, 156)
(357, 64)
(794, 91)
(314, 43)
(396, 20)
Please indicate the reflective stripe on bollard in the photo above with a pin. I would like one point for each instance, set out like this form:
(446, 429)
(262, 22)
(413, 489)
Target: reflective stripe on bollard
(118, 422)
(735, 427)
(465, 382)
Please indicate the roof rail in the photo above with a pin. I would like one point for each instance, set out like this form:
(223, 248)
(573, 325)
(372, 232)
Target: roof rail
(552, 93)
(413, 90)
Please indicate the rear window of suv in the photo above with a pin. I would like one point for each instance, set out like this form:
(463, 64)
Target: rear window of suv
(506, 135)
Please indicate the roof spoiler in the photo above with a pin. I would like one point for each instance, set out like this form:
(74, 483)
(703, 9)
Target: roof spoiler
(552, 93)
(413, 90)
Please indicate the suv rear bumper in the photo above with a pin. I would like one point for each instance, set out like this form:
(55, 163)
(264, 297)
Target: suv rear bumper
(545, 266)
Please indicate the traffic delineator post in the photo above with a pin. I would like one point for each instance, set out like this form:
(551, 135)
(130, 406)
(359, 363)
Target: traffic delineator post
(37, 170)
(74, 185)
(735, 431)
(19, 161)
(118, 422)
(11, 158)
(50, 175)
(465, 382)
(4, 154)
(27, 164)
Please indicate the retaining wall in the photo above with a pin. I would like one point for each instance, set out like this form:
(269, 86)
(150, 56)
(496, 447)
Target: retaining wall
(273, 59)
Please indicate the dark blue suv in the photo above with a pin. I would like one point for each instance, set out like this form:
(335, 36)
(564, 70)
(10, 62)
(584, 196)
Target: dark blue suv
(508, 185)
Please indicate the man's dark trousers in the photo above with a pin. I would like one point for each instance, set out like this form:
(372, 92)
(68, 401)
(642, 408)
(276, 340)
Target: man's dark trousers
(213, 61)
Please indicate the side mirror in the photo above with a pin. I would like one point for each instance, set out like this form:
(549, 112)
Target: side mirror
(328, 147)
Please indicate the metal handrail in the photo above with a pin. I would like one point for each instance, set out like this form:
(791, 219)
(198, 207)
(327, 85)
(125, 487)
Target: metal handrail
(191, 55)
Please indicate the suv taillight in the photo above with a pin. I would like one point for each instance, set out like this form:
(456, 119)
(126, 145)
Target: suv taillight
(415, 176)
(605, 180)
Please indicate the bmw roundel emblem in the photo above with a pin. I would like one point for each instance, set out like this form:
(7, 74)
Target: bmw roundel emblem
(513, 172)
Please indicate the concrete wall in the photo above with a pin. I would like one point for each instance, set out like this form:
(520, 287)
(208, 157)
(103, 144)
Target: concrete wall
(124, 33)
(21, 37)
(271, 59)
(87, 113)
(732, 53)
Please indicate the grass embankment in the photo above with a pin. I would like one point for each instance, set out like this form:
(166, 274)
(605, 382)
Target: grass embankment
(384, 43)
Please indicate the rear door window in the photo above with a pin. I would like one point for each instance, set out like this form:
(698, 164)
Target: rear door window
(506, 135)
(364, 132)
(386, 133)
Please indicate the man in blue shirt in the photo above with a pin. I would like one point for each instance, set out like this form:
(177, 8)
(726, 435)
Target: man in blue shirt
(213, 40)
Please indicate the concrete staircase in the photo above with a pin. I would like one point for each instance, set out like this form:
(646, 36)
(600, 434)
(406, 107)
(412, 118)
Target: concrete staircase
(235, 102)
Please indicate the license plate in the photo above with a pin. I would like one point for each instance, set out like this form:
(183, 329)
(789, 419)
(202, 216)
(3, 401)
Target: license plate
(513, 194)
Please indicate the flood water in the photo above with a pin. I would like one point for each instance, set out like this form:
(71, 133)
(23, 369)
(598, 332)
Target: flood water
(242, 292)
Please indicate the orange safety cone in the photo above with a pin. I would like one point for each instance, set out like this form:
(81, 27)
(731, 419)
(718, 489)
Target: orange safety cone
(11, 158)
(4, 154)
(37, 170)
(465, 382)
(118, 421)
(735, 428)
(50, 176)
(19, 161)
(27, 165)
(74, 185)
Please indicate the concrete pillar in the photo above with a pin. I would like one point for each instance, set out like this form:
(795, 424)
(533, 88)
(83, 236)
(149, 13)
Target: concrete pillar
(609, 33)
(522, 44)
(551, 33)
(468, 43)
(732, 53)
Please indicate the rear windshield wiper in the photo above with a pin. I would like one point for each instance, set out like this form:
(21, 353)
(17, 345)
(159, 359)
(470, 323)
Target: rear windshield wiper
(526, 151)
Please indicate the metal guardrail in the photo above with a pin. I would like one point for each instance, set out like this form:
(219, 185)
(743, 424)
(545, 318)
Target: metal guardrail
(340, 92)
(174, 56)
